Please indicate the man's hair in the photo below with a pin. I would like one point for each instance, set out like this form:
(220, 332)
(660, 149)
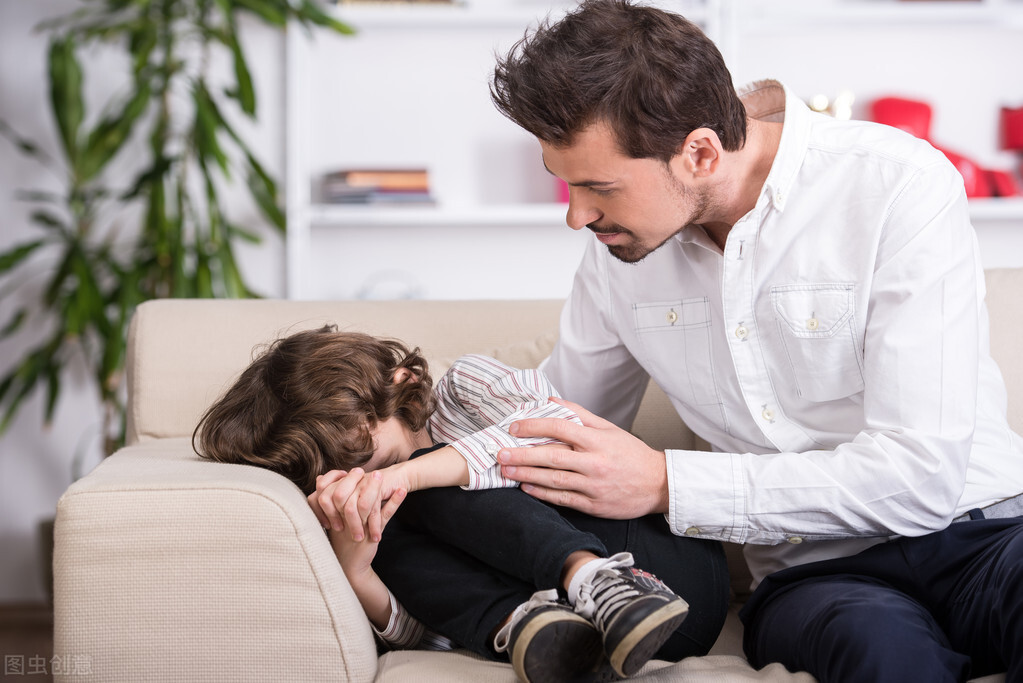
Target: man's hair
(651, 75)
(307, 404)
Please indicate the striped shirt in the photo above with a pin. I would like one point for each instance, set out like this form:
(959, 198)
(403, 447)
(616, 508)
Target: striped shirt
(477, 400)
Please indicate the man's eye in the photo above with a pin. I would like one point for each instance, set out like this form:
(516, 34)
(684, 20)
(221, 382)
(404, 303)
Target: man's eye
(601, 192)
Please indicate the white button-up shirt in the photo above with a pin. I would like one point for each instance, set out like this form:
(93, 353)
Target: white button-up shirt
(835, 353)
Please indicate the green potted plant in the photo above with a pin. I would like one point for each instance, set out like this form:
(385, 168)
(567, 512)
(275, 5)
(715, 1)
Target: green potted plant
(180, 242)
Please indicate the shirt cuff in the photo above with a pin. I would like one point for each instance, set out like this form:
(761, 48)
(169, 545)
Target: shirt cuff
(403, 632)
(701, 502)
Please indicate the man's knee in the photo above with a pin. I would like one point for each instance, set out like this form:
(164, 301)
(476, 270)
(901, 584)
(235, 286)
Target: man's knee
(851, 630)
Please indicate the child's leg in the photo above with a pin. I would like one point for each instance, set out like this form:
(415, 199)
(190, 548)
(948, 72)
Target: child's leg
(449, 591)
(505, 529)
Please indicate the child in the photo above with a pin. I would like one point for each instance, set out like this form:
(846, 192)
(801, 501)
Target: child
(353, 421)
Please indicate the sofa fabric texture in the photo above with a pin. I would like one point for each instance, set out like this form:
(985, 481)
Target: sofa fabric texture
(169, 567)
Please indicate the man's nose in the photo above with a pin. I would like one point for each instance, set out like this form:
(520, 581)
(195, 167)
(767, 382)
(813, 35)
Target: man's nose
(580, 212)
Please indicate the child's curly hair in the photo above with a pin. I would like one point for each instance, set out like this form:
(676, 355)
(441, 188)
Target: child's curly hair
(307, 404)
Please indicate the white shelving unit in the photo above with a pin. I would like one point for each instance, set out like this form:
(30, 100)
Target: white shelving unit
(407, 57)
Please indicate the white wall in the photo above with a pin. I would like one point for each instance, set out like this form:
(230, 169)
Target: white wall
(966, 72)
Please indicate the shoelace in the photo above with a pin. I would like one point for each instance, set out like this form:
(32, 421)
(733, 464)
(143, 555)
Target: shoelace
(538, 599)
(606, 580)
(610, 592)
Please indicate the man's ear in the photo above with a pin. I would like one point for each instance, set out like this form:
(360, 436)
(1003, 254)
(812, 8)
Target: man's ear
(699, 154)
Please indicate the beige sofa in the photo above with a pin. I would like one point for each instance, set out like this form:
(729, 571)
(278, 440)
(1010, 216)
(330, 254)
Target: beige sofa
(172, 568)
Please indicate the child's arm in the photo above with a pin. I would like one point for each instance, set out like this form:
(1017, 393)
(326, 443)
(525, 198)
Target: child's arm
(478, 399)
(395, 627)
(442, 467)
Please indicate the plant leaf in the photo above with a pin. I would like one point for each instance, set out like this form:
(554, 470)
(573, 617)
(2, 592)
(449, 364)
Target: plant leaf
(311, 11)
(12, 257)
(66, 93)
(245, 94)
(270, 12)
(243, 234)
(264, 191)
(109, 136)
(14, 324)
(48, 220)
(52, 391)
(141, 45)
(207, 121)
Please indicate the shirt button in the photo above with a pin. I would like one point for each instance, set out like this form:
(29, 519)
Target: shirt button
(493, 449)
(779, 197)
(767, 414)
(692, 531)
(812, 324)
(672, 317)
(741, 332)
(795, 540)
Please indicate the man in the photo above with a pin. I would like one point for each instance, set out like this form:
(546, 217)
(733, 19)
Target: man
(808, 293)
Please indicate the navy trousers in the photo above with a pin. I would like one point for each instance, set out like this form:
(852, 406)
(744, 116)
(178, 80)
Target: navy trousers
(461, 561)
(947, 606)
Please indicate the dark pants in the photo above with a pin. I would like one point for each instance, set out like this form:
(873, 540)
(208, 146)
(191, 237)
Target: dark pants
(947, 606)
(461, 561)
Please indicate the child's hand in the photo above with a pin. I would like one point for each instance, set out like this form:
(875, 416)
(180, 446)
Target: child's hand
(356, 556)
(354, 501)
(322, 482)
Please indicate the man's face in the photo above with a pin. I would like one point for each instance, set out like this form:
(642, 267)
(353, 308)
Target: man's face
(632, 205)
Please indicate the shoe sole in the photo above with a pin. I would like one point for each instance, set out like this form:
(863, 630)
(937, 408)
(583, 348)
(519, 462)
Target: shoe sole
(551, 663)
(646, 638)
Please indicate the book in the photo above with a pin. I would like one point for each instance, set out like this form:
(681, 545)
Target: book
(376, 186)
(389, 179)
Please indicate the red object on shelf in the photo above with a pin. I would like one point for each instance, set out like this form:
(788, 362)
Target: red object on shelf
(1002, 184)
(1012, 128)
(912, 116)
(974, 177)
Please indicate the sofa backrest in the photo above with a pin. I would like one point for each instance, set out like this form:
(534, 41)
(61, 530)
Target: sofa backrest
(182, 354)
(1005, 309)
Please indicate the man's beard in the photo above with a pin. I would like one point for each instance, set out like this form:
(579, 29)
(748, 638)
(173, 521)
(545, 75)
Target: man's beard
(634, 251)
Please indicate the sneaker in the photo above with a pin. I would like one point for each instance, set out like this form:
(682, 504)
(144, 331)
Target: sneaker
(634, 611)
(547, 642)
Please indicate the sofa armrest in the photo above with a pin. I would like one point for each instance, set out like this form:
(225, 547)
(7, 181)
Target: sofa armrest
(168, 567)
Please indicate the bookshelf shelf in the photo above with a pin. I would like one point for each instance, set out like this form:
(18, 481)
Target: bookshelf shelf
(496, 215)
(540, 214)
(997, 209)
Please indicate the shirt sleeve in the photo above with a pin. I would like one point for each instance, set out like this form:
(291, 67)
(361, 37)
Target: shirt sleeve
(403, 631)
(478, 399)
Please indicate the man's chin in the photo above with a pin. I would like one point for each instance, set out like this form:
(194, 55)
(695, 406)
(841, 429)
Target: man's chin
(629, 254)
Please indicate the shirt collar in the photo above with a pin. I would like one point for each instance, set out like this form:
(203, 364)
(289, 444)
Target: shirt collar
(769, 100)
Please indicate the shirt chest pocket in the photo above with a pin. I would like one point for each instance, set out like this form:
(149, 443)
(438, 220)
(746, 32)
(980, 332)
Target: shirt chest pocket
(816, 323)
(675, 343)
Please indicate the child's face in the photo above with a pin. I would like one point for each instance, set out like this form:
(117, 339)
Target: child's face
(393, 442)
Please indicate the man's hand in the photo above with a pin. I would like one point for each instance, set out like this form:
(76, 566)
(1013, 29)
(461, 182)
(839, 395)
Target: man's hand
(607, 473)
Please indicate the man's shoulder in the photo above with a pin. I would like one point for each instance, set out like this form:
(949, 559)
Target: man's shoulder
(876, 142)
